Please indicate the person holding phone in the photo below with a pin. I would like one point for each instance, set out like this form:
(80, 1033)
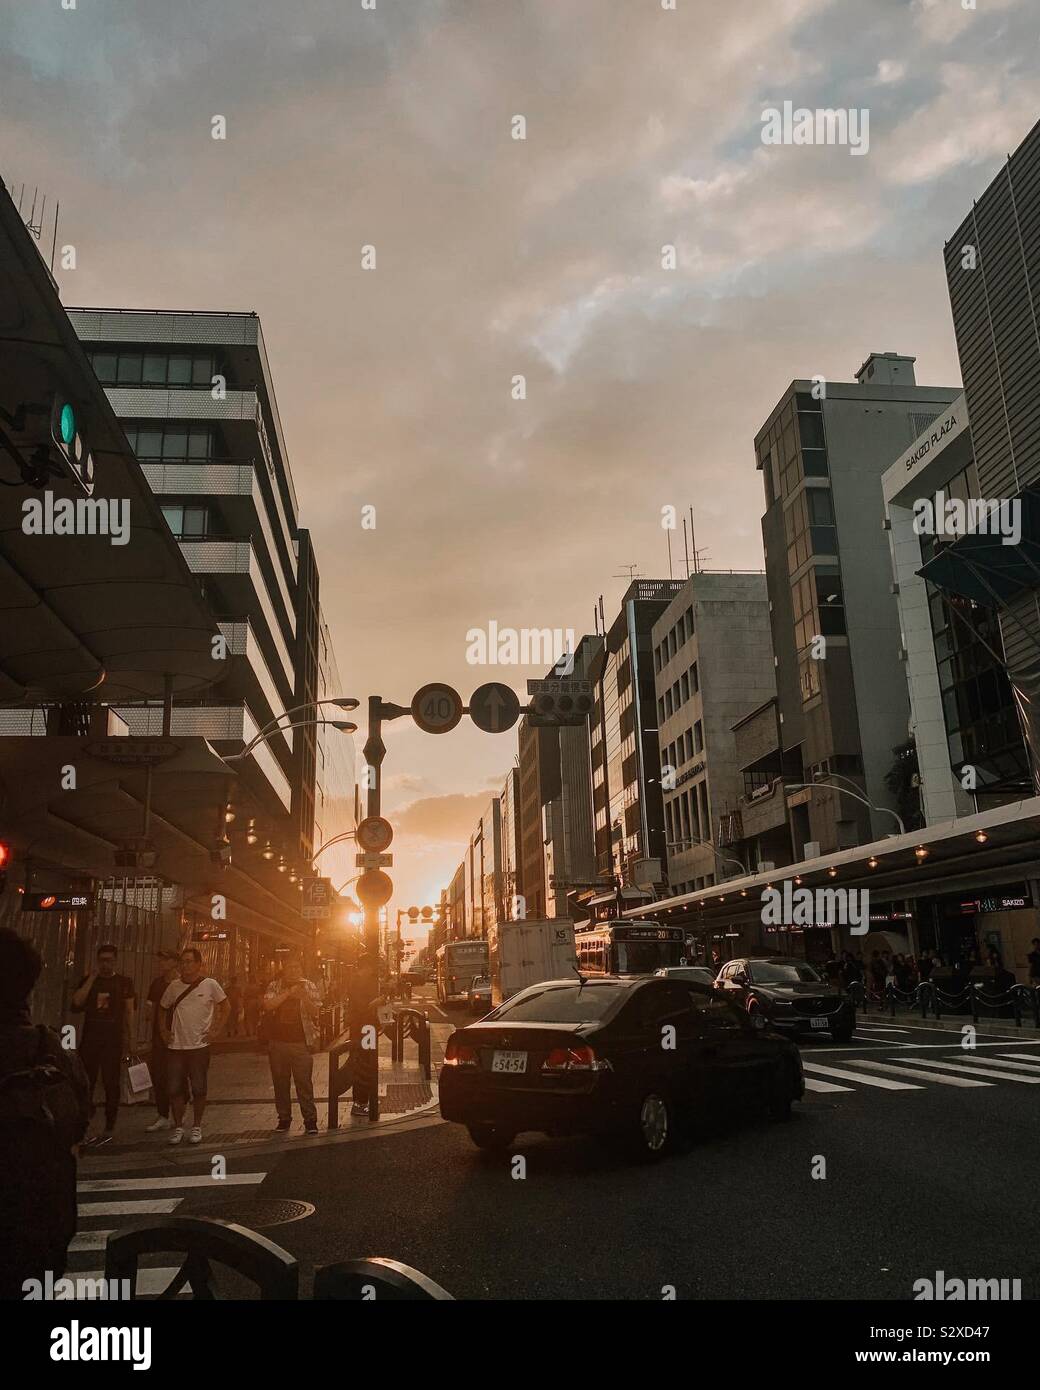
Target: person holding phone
(292, 1005)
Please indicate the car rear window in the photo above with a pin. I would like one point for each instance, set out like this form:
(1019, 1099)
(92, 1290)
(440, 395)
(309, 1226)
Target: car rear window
(563, 1004)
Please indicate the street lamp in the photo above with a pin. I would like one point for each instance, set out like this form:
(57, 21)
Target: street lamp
(678, 844)
(341, 702)
(263, 735)
(845, 791)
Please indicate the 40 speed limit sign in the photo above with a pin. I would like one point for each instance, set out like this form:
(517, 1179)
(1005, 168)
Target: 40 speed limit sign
(436, 708)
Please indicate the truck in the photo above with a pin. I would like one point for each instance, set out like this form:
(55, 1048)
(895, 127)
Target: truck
(525, 952)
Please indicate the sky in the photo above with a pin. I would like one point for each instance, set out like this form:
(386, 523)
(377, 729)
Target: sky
(496, 257)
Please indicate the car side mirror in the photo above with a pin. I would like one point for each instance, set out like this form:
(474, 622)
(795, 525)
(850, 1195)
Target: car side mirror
(740, 978)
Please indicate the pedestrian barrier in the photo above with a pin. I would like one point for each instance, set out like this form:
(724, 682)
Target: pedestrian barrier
(202, 1242)
(377, 1278)
(974, 999)
(331, 1023)
(415, 1024)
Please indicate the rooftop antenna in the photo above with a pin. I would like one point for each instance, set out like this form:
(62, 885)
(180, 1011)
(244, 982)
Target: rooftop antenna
(693, 544)
(633, 573)
(686, 548)
(602, 619)
(668, 537)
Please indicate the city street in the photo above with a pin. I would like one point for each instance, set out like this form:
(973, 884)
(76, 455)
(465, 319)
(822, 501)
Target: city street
(930, 1165)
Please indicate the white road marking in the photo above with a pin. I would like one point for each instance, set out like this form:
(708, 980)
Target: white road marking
(184, 1180)
(1004, 1064)
(146, 1206)
(878, 1028)
(921, 1075)
(1025, 1056)
(976, 1071)
(88, 1240)
(149, 1281)
(811, 1084)
(878, 1081)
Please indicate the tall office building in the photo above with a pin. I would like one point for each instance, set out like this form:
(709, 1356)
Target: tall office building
(993, 272)
(539, 782)
(512, 872)
(626, 788)
(835, 627)
(195, 396)
(713, 661)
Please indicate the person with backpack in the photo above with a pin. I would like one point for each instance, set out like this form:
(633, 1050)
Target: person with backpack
(106, 999)
(195, 1009)
(44, 1113)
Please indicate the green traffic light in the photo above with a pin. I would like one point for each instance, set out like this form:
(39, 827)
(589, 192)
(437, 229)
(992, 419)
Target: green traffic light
(68, 424)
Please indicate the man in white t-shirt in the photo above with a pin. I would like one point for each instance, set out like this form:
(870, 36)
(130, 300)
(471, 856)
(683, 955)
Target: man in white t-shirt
(193, 1011)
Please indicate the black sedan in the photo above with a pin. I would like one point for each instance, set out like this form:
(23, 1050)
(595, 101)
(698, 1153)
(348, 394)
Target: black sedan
(791, 994)
(637, 1058)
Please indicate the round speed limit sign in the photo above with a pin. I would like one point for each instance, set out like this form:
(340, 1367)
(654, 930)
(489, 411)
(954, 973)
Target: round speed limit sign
(436, 708)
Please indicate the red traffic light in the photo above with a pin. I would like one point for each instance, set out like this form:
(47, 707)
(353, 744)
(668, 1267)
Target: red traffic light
(5, 855)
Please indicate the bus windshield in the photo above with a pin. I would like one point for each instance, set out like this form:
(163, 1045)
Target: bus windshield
(644, 957)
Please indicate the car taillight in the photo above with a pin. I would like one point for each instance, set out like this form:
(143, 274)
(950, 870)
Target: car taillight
(574, 1059)
(457, 1054)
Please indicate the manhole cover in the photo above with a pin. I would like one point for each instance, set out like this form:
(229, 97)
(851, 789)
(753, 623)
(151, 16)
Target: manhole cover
(255, 1212)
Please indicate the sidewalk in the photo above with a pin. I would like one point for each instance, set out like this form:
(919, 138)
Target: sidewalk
(240, 1111)
(952, 1023)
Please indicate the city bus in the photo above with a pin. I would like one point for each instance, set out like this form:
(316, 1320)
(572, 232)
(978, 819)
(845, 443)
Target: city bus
(457, 963)
(628, 948)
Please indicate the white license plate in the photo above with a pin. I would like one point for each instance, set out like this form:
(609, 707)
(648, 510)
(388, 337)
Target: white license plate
(509, 1061)
(820, 1022)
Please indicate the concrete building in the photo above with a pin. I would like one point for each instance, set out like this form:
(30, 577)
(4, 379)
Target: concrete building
(539, 783)
(512, 871)
(962, 710)
(626, 789)
(835, 626)
(485, 859)
(712, 659)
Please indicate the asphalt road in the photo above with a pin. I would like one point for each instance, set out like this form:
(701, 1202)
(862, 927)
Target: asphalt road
(928, 1167)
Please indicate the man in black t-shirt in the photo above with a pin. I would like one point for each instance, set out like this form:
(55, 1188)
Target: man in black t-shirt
(106, 1000)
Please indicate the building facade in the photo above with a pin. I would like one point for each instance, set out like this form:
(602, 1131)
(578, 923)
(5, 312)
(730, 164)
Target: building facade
(712, 660)
(625, 753)
(835, 626)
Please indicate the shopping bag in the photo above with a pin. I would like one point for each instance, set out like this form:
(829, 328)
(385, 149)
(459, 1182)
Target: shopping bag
(136, 1081)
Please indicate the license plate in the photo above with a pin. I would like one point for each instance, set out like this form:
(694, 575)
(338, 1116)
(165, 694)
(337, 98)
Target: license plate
(820, 1022)
(509, 1061)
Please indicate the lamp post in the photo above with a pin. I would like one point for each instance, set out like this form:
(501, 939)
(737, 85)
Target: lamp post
(344, 725)
(845, 791)
(690, 840)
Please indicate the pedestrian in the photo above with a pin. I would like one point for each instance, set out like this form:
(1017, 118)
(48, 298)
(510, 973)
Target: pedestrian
(158, 1056)
(292, 1005)
(364, 987)
(106, 999)
(832, 969)
(234, 998)
(195, 1009)
(44, 1113)
(1034, 963)
(252, 1000)
(901, 971)
(877, 973)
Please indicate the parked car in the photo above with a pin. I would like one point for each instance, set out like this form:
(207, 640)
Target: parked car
(478, 996)
(593, 1057)
(791, 994)
(692, 974)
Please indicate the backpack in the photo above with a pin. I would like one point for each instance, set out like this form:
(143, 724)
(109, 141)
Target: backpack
(41, 1117)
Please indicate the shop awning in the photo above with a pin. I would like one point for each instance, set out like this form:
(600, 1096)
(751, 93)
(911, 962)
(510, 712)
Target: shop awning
(982, 568)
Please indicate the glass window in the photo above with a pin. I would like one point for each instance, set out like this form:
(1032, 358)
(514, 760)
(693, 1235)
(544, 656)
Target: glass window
(814, 463)
(175, 443)
(698, 737)
(202, 372)
(194, 521)
(810, 428)
(199, 443)
(154, 369)
(149, 443)
(561, 1004)
(179, 371)
(129, 369)
(174, 519)
(104, 364)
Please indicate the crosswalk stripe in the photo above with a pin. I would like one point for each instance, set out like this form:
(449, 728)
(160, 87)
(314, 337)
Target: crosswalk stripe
(88, 1240)
(976, 1071)
(149, 1281)
(878, 1081)
(916, 1071)
(879, 1028)
(146, 1206)
(1003, 1062)
(1033, 1057)
(811, 1084)
(153, 1184)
